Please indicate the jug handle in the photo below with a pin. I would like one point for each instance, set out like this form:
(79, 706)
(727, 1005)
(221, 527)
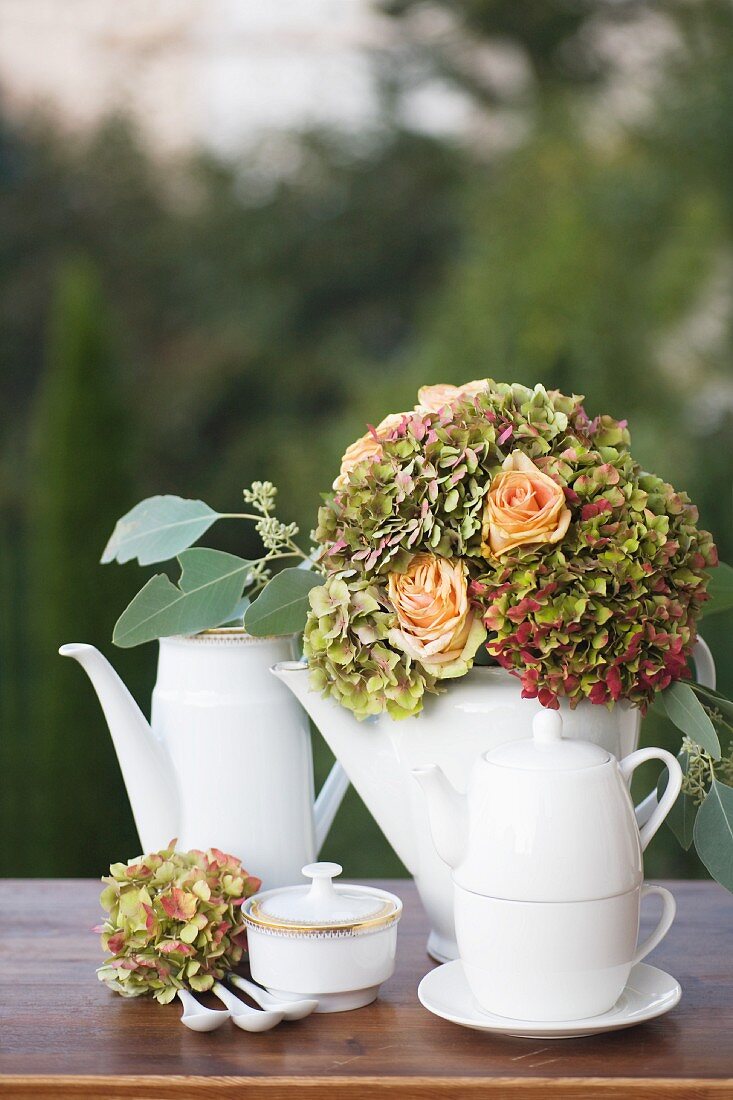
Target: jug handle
(330, 797)
(704, 664)
(629, 764)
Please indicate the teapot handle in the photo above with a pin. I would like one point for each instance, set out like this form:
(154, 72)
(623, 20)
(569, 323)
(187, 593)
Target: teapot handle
(628, 766)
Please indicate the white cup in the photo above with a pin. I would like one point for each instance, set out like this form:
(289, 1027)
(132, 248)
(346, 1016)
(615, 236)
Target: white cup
(550, 961)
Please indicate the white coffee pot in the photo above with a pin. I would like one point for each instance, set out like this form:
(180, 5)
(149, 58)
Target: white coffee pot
(546, 819)
(226, 759)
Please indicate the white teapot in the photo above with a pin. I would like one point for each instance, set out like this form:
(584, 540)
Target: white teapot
(226, 759)
(548, 871)
(545, 819)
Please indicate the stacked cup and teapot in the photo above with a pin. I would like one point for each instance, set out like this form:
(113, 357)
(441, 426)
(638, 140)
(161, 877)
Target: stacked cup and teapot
(548, 872)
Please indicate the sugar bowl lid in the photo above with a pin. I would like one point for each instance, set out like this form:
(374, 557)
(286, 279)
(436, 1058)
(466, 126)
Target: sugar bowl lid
(322, 907)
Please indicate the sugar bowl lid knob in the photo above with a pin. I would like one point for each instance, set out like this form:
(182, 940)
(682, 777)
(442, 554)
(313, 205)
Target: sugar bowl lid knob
(322, 875)
(547, 727)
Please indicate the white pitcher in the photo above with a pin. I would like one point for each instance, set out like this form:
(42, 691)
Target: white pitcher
(227, 762)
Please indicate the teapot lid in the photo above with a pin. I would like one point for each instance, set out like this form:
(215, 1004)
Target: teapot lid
(547, 749)
(321, 906)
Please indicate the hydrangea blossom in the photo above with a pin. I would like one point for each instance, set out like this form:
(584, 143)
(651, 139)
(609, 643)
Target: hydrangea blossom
(606, 613)
(173, 921)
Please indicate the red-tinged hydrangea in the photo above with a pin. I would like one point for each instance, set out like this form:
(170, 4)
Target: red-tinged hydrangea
(173, 921)
(610, 613)
(604, 608)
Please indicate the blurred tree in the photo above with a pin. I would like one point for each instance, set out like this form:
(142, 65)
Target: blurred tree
(264, 314)
(251, 326)
(579, 258)
(561, 43)
(368, 232)
(80, 480)
(14, 724)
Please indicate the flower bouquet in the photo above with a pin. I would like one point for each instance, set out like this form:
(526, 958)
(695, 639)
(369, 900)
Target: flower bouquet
(490, 524)
(500, 519)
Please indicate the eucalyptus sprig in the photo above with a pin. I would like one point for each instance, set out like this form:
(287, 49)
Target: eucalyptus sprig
(703, 813)
(214, 588)
(701, 769)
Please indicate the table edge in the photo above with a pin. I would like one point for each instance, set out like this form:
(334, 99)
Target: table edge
(181, 1087)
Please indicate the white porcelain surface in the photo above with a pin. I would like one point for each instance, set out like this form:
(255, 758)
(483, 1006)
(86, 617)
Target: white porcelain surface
(318, 969)
(243, 1016)
(649, 993)
(196, 1017)
(339, 965)
(291, 1010)
(556, 960)
(546, 819)
(322, 902)
(228, 761)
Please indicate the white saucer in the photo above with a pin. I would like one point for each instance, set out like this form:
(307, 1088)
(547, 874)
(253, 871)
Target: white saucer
(648, 993)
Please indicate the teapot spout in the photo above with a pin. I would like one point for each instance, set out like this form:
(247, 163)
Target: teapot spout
(367, 755)
(447, 812)
(146, 770)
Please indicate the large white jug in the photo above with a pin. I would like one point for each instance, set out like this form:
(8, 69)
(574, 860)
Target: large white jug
(227, 762)
(476, 713)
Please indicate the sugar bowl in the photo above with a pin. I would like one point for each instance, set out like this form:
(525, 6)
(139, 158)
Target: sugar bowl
(330, 941)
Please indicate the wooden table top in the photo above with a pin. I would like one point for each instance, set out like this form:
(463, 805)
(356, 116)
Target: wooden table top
(63, 1034)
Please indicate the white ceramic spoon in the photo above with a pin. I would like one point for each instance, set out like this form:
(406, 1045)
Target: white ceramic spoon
(198, 1018)
(244, 1017)
(291, 1010)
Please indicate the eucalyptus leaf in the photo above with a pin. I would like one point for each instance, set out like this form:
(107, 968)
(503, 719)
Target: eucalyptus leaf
(208, 592)
(157, 529)
(681, 818)
(714, 833)
(686, 711)
(715, 700)
(282, 605)
(720, 590)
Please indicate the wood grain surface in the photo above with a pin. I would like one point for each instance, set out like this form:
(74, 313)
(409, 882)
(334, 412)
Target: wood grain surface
(63, 1034)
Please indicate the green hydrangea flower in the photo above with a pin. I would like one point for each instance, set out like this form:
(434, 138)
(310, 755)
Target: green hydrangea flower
(173, 921)
(346, 643)
(609, 612)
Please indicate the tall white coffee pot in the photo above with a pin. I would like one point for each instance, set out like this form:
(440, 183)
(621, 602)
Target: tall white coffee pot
(226, 760)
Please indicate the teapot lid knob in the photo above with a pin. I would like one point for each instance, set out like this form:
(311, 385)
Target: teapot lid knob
(547, 727)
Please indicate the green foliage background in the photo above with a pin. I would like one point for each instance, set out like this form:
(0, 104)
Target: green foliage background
(189, 327)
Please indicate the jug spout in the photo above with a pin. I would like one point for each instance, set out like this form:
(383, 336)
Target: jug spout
(367, 754)
(146, 770)
(294, 675)
(447, 812)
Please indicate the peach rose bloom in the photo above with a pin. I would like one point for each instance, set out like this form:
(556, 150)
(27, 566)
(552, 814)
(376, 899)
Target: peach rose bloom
(436, 625)
(523, 506)
(435, 398)
(366, 447)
